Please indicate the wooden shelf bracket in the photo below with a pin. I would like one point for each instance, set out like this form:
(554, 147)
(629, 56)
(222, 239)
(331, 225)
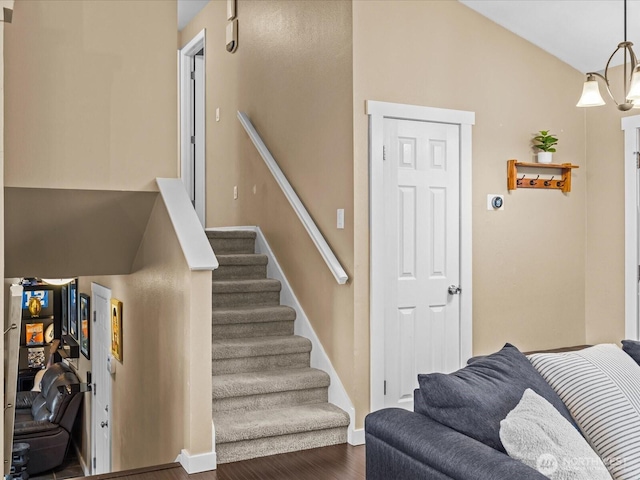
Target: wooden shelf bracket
(515, 180)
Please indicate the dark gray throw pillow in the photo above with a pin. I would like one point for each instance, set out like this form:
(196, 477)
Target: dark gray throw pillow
(632, 348)
(476, 398)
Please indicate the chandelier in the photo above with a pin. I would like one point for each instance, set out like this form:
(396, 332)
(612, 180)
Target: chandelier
(591, 91)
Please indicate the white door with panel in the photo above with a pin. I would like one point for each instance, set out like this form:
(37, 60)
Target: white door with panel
(422, 261)
(101, 404)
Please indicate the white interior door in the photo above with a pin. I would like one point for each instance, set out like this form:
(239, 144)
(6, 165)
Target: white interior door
(422, 261)
(192, 121)
(199, 135)
(101, 399)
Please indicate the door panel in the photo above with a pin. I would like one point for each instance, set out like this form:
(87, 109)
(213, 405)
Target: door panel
(101, 405)
(422, 220)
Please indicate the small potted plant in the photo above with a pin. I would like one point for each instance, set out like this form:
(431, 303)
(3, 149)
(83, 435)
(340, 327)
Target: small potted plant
(545, 143)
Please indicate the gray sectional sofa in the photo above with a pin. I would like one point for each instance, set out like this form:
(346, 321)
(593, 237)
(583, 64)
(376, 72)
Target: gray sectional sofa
(455, 435)
(408, 445)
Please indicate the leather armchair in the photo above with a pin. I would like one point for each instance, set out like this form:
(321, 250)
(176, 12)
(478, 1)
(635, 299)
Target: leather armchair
(44, 419)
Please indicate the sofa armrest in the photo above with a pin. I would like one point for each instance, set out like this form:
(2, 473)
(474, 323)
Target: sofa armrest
(25, 399)
(418, 440)
(42, 427)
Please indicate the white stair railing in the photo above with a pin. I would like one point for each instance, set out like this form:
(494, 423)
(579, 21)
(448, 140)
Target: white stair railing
(309, 225)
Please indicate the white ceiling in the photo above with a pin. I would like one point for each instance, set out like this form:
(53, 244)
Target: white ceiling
(582, 33)
(187, 9)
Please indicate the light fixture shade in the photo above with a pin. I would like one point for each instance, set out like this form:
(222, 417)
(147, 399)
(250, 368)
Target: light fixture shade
(590, 94)
(634, 87)
(57, 281)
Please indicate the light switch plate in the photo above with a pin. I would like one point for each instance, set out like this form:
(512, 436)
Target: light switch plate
(235, 192)
(340, 216)
(218, 114)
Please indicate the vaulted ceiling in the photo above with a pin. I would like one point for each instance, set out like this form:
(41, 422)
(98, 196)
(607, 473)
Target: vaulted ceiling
(582, 33)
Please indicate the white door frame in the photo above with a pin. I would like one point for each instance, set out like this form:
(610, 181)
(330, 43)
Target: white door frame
(630, 125)
(377, 112)
(106, 293)
(186, 55)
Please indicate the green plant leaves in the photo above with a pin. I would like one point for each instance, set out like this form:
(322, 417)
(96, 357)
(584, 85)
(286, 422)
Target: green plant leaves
(546, 141)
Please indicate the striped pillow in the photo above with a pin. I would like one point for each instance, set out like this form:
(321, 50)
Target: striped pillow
(601, 387)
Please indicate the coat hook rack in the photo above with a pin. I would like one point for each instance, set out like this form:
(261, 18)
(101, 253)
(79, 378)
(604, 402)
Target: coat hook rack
(514, 182)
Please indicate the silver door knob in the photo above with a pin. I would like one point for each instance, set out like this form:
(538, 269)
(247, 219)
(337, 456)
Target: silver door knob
(104, 424)
(454, 290)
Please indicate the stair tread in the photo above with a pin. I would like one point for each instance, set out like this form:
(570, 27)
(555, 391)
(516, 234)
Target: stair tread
(247, 314)
(231, 234)
(259, 346)
(242, 259)
(269, 381)
(244, 286)
(249, 425)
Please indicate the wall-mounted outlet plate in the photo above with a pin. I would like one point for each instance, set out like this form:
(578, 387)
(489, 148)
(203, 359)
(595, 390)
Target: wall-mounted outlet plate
(495, 202)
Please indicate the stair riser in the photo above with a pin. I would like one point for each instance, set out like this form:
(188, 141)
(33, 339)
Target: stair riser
(271, 400)
(245, 298)
(240, 272)
(256, 364)
(230, 317)
(230, 246)
(249, 330)
(236, 451)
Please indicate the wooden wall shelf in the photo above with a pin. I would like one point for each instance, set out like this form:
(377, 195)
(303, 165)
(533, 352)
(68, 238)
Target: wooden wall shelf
(514, 181)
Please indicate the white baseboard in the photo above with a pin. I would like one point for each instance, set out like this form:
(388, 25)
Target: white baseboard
(356, 436)
(85, 468)
(202, 462)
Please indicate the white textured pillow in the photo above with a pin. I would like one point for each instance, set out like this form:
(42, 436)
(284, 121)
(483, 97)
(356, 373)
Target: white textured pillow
(535, 433)
(601, 388)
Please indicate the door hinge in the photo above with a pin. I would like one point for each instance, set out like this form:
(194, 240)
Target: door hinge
(384, 153)
(638, 273)
(95, 388)
(94, 463)
(385, 387)
(193, 75)
(95, 316)
(193, 139)
(637, 154)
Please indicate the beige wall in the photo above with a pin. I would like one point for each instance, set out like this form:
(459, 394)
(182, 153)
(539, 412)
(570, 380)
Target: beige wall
(604, 311)
(9, 4)
(74, 232)
(528, 260)
(161, 394)
(292, 74)
(529, 268)
(91, 94)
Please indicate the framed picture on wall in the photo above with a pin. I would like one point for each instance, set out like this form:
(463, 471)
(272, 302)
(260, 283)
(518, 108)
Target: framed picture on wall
(84, 318)
(73, 310)
(116, 329)
(64, 310)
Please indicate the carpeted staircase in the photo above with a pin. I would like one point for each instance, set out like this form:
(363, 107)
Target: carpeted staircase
(266, 398)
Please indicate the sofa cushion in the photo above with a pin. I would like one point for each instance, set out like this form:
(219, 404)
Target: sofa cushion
(599, 385)
(632, 348)
(476, 398)
(537, 435)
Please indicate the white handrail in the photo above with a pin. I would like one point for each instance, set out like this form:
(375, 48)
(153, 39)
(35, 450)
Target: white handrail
(317, 238)
(195, 245)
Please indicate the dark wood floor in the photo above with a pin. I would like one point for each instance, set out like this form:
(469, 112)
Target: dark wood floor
(339, 462)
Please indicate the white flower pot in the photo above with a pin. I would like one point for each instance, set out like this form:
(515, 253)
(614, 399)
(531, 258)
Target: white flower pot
(545, 157)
